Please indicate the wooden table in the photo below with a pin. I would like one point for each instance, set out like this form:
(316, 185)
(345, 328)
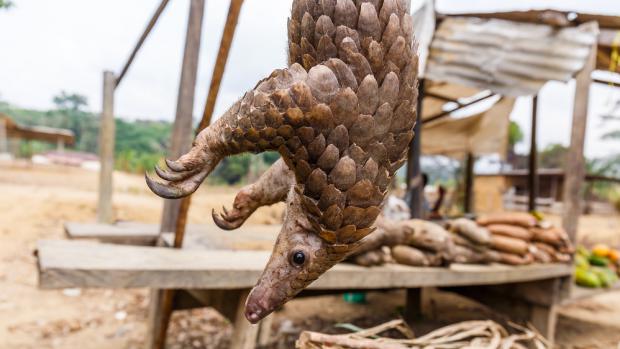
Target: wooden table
(217, 268)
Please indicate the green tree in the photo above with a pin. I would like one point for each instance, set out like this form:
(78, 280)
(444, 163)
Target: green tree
(515, 135)
(6, 4)
(553, 156)
(73, 101)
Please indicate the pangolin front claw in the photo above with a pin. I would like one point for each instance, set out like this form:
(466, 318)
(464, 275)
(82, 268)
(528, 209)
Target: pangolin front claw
(226, 221)
(176, 189)
(175, 166)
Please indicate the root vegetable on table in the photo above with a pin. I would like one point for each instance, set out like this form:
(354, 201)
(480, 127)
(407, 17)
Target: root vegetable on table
(522, 219)
(408, 255)
(470, 230)
(509, 245)
(512, 231)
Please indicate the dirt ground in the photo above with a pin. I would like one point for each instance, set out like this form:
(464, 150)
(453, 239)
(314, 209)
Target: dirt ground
(35, 201)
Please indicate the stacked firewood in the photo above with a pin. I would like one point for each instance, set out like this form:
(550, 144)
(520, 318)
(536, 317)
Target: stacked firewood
(508, 238)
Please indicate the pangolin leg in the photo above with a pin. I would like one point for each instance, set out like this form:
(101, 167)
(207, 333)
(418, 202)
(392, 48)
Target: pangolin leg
(270, 188)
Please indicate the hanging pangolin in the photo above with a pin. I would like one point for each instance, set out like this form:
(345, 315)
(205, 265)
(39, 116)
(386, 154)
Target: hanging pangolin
(341, 116)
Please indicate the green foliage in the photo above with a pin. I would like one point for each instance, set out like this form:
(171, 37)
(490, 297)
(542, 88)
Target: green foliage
(553, 156)
(6, 4)
(234, 169)
(515, 134)
(71, 101)
(139, 145)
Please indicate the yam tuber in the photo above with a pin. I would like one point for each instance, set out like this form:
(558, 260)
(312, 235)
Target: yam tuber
(514, 259)
(512, 231)
(408, 255)
(522, 219)
(509, 245)
(470, 230)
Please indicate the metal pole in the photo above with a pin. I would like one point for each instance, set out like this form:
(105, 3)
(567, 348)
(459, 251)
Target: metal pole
(106, 150)
(415, 186)
(533, 166)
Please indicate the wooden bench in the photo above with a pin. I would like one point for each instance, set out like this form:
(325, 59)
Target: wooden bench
(215, 268)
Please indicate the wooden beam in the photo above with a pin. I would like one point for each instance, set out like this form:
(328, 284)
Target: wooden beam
(533, 160)
(549, 17)
(468, 207)
(459, 107)
(220, 62)
(414, 174)
(106, 150)
(64, 263)
(181, 139)
(575, 160)
(161, 301)
(218, 72)
(141, 40)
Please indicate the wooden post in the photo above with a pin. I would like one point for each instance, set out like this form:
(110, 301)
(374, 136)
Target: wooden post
(106, 150)
(161, 301)
(575, 161)
(415, 187)
(181, 140)
(244, 334)
(60, 146)
(469, 182)
(4, 139)
(532, 179)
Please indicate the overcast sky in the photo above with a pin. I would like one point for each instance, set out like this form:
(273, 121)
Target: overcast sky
(49, 46)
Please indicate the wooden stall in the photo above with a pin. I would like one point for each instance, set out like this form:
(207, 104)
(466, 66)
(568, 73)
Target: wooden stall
(186, 272)
(9, 129)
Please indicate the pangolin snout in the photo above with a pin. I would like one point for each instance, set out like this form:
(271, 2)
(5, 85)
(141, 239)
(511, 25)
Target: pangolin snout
(256, 307)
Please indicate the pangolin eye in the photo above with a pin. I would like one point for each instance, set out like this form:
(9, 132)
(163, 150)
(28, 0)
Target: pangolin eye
(298, 258)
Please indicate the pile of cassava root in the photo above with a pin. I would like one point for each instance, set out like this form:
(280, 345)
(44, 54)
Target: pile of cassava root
(467, 334)
(508, 238)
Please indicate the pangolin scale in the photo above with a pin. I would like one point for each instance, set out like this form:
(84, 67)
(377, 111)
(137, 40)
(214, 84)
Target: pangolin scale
(341, 116)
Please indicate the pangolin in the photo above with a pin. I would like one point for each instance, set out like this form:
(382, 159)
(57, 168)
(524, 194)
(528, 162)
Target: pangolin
(341, 116)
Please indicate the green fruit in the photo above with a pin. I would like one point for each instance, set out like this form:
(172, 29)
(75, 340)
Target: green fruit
(587, 278)
(599, 261)
(606, 276)
(582, 251)
(581, 261)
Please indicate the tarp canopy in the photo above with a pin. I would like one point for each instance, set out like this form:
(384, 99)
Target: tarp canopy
(482, 133)
(510, 58)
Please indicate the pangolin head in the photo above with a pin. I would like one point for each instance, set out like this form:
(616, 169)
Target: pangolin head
(299, 257)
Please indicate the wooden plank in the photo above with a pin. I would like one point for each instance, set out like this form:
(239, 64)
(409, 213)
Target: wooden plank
(106, 150)
(131, 233)
(199, 236)
(65, 264)
(575, 160)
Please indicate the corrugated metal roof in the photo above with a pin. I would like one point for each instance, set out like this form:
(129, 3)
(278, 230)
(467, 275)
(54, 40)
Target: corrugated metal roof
(509, 58)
